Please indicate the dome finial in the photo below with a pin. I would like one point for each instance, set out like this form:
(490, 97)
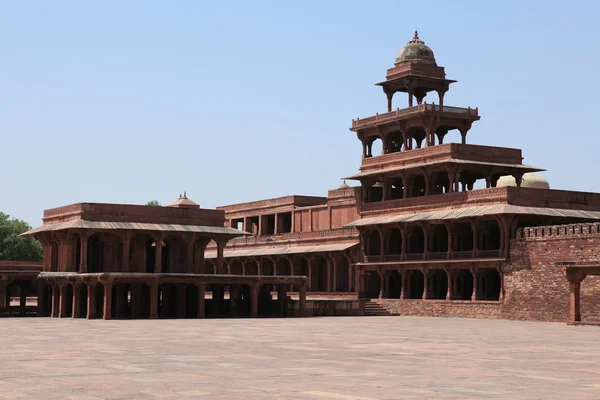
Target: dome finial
(416, 37)
(184, 195)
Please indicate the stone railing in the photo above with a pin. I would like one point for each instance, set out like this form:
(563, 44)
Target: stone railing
(442, 151)
(292, 236)
(479, 196)
(421, 108)
(342, 192)
(571, 230)
(433, 256)
(554, 198)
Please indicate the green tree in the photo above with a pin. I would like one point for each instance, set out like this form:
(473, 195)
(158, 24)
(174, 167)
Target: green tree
(153, 203)
(14, 247)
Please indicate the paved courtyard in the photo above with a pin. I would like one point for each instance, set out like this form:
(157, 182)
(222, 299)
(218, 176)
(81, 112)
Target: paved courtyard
(314, 358)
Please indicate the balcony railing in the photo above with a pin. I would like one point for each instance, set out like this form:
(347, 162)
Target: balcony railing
(433, 256)
(393, 115)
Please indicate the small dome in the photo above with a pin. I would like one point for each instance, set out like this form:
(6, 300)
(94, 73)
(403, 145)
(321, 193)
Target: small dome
(415, 51)
(530, 180)
(183, 202)
(344, 185)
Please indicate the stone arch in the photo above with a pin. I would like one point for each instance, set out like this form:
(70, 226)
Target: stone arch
(105, 252)
(342, 283)
(373, 242)
(283, 266)
(319, 274)
(437, 284)
(209, 267)
(394, 285)
(491, 285)
(266, 267)
(438, 242)
(462, 284)
(251, 267)
(394, 242)
(372, 284)
(415, 284)
(236, 267)
(415, 240)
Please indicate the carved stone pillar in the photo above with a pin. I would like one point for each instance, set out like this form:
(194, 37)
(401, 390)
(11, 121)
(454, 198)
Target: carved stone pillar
(201, 300)
(158, 241)
(83, 251)
(255, 292)
(108, 287)
(91, 300)
(425, 283)
(302, 301)
(154, 300)
(475, 294)
(63, 312)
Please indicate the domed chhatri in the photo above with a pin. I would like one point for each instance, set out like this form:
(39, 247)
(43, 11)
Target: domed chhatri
(530, 180)
(415, 51)
(183, 202)
(344, 185)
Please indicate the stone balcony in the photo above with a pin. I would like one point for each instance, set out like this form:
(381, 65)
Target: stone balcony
(434, 256)
(442, 152)
(410, 112)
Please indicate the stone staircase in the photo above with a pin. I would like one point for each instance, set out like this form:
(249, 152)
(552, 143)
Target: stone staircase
(373, 308)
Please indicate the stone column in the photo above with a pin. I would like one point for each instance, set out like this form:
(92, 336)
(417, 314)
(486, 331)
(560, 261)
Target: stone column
(234, 292)
(449, 250)
(83, 250)
(191, 253)
(154, 300)
(181, 297)
(63, 312)
(425, 283)
(475, 230)
(574, 302)
(475, 294)
(41, 298)
(3, 286)
(309, 262)
(91, 301)
(219, 266)
(126, 245)
(76, 309)
(55, 300)
(158, 239)
(425, 241)
(334, 274)
(255, 292)
(22, 300)
(449, 276)
(302, 301)
(403, 276)
(108, 288)
(201, 303)
(217, 298)
(381, 284)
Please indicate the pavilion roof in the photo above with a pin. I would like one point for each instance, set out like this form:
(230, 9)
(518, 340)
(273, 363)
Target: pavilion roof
(136, 226)
(474, 211)
(398, 168)
(276, 251)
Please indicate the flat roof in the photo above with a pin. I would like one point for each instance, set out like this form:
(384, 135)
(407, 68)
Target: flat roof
(272, 251)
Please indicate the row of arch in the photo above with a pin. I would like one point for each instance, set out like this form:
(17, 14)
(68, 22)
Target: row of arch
(21, 289)
(138, 300)
(325, 272)
(433, 241)
(434, 284)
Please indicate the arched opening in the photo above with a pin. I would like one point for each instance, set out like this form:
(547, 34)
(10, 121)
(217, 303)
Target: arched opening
(395, 142)
(489, 242)
(191, 301)
(165, 257)
(82, 298)
(394, 245)
(236, 268)
(209, 267)
(150, 250)
(376, 147)
(463, 241)
(397, 189)
(46, 300)
(342, 283)
(376, 192)
(438, 242)
(283, 267)
(418, 186)
(437, 284)
(415, 284)
(491, 285)
(372, 284)
(415, 242)
(318, 275)
(266, 267)
(463, 284)
(373, 243)
(167, 295)
(68, 311)
(145, 301)
(395, 285)
(99, 289)
(251, 267)
(105, 253)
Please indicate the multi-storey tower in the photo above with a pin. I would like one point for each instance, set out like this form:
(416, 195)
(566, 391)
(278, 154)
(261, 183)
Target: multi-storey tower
(425, 231)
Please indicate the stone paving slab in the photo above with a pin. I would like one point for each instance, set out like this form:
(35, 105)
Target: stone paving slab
(339, 358)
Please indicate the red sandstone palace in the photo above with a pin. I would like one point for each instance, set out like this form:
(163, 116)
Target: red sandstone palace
(432, 228)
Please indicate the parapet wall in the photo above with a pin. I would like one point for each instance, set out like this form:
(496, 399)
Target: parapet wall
(536, 288)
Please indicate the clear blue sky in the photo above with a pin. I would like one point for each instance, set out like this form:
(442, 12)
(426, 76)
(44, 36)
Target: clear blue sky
(232, 101)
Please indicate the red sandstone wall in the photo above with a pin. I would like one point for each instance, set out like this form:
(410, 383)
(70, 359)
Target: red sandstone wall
(535, 287)
(442, 308)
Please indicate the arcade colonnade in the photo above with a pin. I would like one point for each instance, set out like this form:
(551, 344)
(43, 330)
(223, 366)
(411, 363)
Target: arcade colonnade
(471, 283)
(89, 251)
(325, 272)
(134, 296)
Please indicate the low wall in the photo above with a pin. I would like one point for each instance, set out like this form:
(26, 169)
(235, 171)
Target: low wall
(442, 308)
(331, 307)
